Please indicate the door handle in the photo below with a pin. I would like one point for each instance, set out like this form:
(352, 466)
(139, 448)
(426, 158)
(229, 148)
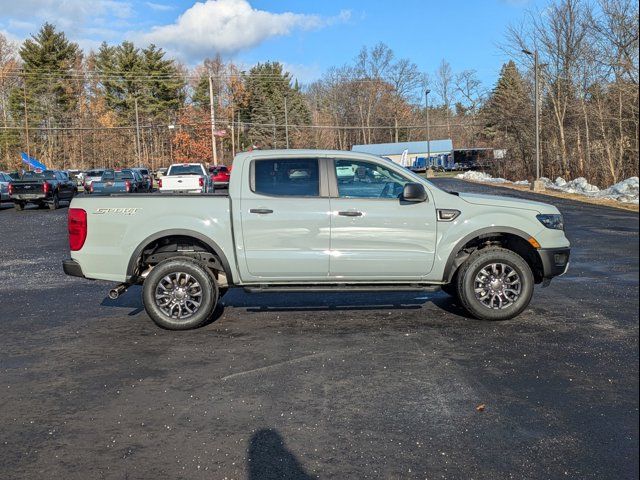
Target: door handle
(350, 213)
(261, 211)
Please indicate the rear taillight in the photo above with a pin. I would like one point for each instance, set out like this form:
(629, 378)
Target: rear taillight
(201, 181)
(46, 187)
(127, 185)
(159, 183)
(77, 228)
(10, 189)
(91, 187)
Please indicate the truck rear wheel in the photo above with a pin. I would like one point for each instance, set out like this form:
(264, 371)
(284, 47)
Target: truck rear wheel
(18, 206)
(179, 294)
(495, 284)
(55, 202)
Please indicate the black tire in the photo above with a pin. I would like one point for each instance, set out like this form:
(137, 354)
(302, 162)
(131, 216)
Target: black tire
(173, 266)
(55, 202)
(474, 264)
(19, 206)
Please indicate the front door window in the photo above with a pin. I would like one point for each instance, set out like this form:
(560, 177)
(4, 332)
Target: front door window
(361, 179)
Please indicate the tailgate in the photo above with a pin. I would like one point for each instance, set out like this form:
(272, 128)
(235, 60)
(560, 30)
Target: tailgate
(181, 182)
(28, 190)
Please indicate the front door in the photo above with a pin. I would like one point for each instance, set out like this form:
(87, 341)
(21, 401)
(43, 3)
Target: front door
(374, 234)
(285, 220)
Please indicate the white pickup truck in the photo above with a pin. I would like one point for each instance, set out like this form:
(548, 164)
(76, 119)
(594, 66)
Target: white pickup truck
(317, 220)
(186, 178)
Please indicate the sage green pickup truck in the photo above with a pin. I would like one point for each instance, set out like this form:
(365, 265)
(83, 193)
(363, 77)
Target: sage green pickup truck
(293, 221)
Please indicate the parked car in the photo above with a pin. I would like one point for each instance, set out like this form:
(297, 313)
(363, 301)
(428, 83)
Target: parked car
(147, 178)
(118, 181)
(186, 178)
(5, 180)
(43, 188)
(220, 176)
(91, 176)
(277, 231)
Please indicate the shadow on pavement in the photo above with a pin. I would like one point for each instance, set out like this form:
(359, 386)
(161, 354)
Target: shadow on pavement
(306, 301)
(269, 458)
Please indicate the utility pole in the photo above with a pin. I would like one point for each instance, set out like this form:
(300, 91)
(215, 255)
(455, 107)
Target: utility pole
(536, 74)
(233, 135)
(213, 123)
(286, 121)
(426, 100)
(135, 103)
(26, 120)
(273, 120)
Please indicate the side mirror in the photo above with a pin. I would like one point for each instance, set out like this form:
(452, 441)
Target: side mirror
(414, 192)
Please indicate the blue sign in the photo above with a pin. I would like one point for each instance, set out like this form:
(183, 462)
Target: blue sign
(32, 162)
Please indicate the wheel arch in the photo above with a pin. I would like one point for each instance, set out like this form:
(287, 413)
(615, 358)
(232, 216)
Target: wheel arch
(511, 238)
(199, 237)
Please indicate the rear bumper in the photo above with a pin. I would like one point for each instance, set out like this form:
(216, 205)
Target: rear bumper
(29, 197)
(72, 268)
(555, 261)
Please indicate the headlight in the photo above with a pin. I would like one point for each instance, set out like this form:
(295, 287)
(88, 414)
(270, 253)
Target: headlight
(552, 221)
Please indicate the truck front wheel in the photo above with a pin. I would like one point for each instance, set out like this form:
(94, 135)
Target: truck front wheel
(179, 294)
(495, 284)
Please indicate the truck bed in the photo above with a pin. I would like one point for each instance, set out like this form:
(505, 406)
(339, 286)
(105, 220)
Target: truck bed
(118, 224)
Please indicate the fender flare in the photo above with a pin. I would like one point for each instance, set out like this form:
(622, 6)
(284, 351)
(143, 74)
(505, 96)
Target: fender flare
(450, 267)
(183, 233)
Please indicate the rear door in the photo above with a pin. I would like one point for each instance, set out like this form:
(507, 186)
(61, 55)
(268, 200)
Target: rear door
(284, 213)
(374, 234)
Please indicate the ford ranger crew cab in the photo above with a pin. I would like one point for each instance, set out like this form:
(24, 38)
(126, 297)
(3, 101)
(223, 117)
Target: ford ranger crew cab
(294, 221)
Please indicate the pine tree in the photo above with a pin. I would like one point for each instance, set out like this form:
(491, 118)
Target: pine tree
(127, 73)
(508, 116)
(267, 85)
(48, 62)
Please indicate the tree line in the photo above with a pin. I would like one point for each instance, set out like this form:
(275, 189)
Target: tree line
(125, 104)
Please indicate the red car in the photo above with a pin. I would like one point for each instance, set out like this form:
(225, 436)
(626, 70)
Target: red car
(220, 176)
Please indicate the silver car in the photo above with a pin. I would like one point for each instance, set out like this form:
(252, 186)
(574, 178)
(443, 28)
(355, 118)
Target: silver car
(92, 176)
(5, 179)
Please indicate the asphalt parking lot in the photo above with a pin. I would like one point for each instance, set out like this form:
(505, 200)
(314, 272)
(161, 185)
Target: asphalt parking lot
(321, 386)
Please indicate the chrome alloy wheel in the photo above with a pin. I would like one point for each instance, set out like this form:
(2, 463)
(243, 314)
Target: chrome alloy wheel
(178, 295)
(497, 286)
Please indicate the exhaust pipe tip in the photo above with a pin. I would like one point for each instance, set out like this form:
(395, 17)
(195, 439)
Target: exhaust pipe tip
(114, 293)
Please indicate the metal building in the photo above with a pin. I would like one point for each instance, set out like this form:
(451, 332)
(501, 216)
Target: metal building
(413, 155)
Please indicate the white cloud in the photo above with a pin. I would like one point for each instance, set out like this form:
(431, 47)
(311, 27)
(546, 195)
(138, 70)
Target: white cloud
(229, 26)
(160, 7)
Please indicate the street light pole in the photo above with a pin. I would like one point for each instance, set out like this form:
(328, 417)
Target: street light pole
(536, 88)
(426, 100)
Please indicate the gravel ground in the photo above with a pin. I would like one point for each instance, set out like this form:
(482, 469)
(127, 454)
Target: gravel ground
(321, 386)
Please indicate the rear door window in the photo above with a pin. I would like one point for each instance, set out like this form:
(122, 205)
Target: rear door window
(287, 177)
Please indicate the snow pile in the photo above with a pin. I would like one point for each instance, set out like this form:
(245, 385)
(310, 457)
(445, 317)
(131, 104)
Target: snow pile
(625, 191)
(475, 176)
(579, 185)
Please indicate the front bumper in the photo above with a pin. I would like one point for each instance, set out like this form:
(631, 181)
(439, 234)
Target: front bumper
(555, 261)
(72, 268)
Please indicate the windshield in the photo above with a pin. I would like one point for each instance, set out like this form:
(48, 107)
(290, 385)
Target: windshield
(94, 173)
(110, 176)
(185, 170)
(46, 175)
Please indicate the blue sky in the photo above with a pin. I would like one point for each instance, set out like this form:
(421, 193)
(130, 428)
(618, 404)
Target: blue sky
(307, 36)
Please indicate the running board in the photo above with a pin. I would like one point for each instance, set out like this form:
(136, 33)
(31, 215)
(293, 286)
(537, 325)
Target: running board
(343, 287)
